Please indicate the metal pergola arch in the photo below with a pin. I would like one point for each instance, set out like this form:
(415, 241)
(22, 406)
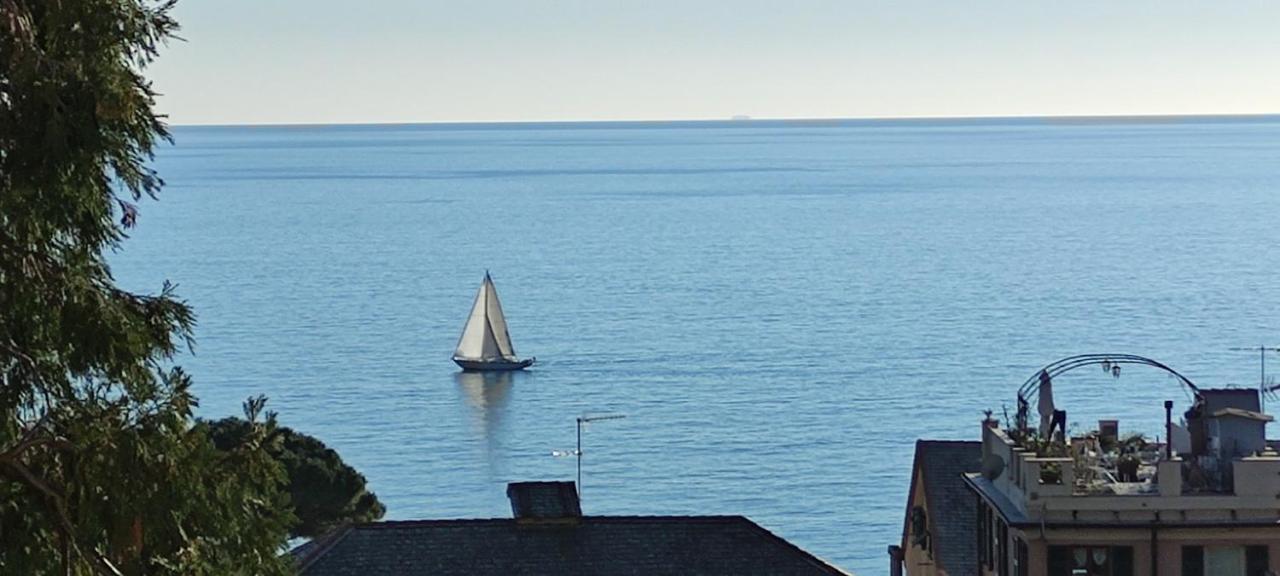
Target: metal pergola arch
(1029, 392)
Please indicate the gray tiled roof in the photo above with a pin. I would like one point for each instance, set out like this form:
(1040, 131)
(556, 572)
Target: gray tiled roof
(597, 545)
(952, 507)
(996, 497)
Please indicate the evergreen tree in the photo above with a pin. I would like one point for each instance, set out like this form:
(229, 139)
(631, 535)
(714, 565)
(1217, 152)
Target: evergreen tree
(324, 491)
(102, 468)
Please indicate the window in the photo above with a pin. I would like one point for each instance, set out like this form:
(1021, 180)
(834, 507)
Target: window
(989, 537)
(1257, 560)
(1192, 561)
(1003, 547)
(1020, 555)
(1225, 560)
(1091, 561)
(982, 535)
(920, 529)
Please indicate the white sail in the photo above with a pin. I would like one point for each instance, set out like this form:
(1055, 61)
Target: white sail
(475, 334)
(485, 335)
(498, 322)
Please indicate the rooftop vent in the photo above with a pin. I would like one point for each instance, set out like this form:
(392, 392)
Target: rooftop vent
(544, 501)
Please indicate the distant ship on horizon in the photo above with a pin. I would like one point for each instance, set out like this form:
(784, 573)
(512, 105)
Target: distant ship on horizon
(739, 117)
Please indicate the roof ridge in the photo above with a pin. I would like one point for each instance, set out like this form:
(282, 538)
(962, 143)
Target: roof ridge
(408, 524)
(322, 548)
(692, 518)
(704, 518)
(379, 524)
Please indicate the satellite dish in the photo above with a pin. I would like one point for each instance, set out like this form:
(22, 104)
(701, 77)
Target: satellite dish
(992, 467)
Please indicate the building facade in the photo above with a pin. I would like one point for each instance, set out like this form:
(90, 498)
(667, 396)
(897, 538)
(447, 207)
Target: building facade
(1205, 504)
(938, 525)
(1034, 517)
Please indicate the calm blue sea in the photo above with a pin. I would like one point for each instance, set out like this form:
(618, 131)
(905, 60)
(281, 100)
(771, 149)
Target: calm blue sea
(780, 309)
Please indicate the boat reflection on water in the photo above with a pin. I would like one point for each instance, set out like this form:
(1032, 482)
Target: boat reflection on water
(487, 394)
(485, 391)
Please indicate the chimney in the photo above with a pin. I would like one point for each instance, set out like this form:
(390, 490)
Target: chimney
(544, 502)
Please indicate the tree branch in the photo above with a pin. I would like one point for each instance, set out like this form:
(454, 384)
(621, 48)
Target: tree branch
(64, 520)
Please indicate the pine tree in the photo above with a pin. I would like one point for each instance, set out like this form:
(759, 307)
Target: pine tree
(324, 491)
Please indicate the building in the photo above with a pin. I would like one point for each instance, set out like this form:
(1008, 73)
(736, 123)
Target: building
(937, 532)
(548, 534)
(1048, 504)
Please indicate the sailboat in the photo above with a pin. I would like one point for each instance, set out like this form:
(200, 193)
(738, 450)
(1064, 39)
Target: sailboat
(485, 344)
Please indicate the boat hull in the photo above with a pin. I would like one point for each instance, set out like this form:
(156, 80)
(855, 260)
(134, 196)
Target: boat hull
(492, 365)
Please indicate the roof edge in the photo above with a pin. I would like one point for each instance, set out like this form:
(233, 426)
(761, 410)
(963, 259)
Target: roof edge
(805, 554)
(330, 540)
(393, 524)
(916, 472)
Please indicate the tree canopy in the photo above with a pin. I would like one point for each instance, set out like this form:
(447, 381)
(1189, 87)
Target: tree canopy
(324, 491)
(102, 468)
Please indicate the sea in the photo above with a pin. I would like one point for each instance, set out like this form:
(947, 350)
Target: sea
(779, 309)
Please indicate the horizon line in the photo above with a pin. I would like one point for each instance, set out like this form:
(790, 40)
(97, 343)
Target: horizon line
(746, 120)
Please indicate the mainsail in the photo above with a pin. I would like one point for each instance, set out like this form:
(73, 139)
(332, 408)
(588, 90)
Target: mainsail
(485, 336)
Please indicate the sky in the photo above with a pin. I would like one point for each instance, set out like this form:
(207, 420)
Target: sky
(402, 61)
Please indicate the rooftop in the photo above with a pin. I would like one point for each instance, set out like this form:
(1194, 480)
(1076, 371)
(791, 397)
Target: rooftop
(1213, 464)
(1104, 462)
(598, 545)
(557, 539)
(952, 515)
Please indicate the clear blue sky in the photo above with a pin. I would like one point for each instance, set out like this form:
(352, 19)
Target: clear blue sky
(325, 61)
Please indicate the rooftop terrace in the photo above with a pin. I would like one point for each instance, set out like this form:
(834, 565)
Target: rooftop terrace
(1213, 460)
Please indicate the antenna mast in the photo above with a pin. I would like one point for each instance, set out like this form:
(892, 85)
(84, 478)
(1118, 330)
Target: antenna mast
(584, 420)
(578, 452)
(1263, 389)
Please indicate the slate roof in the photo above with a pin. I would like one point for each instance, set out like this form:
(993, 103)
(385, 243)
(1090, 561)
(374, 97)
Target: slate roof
(997, 498)
(952, 506)
(596, 545)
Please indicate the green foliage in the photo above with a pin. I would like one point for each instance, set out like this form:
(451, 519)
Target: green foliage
(1051, 473)
(1031, 440)
(102, 470)
(325, 491)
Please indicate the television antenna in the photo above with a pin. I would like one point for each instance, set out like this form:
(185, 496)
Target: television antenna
(577, 452)
(1264, 388)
